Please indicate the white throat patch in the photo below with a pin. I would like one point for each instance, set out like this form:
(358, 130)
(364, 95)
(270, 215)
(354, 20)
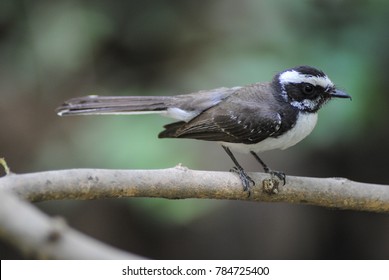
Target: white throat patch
(294, 77)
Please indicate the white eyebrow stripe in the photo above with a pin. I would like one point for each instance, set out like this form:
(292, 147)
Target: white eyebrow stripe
(294, 77)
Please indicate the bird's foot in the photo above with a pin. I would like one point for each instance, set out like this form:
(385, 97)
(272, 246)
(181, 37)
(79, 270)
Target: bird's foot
(246, 179)
(279, 175)
(270, 186)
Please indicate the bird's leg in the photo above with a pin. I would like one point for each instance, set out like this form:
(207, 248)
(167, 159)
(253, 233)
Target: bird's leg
(246, 180)
(278, 174)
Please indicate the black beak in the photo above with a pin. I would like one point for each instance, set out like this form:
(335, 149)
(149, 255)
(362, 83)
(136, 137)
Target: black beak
(340, 94)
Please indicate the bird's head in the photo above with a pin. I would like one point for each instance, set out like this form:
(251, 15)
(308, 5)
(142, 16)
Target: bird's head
(306, 88)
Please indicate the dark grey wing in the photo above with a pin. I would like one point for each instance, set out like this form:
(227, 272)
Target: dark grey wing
(249, 125)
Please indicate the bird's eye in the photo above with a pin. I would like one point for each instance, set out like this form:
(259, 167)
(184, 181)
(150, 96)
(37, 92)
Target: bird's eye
(308, 89)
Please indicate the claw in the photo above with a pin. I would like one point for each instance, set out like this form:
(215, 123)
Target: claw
(279, 175)
(246, 179)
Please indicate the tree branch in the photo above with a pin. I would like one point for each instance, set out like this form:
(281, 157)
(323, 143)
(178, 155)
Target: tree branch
(180, 182)
(39, 236)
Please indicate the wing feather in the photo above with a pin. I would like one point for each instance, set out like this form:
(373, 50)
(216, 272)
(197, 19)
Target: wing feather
(252, 126)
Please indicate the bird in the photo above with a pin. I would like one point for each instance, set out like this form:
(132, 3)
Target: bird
(249, 119)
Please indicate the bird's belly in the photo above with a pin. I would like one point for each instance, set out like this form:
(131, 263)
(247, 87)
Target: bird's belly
(304, 126)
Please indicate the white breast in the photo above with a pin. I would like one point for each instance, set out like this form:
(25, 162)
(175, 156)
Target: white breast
(304, 126)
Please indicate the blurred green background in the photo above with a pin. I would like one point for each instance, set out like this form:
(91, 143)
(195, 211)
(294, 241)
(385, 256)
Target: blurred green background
(54, 50)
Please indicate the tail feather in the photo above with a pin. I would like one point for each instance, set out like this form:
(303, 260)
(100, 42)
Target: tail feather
(96, 105)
